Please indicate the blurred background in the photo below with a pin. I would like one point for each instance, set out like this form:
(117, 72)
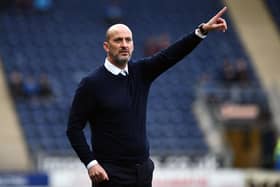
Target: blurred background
(213, 119)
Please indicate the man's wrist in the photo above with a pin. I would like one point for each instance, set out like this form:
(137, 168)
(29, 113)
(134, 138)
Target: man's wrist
(91, 164)
(200, 31)
(199, 34)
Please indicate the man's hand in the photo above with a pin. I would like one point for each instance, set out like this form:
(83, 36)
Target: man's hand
(97, 173)
(216, 22)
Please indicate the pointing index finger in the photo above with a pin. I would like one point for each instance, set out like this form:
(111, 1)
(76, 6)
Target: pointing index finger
(221, 12)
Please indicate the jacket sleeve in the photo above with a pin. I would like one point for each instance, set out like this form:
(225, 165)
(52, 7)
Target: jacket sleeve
(155, 65)
(78, 117)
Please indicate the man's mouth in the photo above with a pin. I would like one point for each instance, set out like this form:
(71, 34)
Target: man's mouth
(124, 52)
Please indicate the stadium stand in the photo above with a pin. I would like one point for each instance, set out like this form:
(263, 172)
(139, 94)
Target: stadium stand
(66, 43)
(262, 44)
(258, 35)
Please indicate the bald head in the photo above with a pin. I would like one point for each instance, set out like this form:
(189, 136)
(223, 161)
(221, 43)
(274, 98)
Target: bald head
(115, 29)
(119, 45)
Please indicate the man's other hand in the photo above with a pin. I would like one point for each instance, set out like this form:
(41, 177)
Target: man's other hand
(97, 173)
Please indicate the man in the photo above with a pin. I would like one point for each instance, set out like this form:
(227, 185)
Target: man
(114, 100)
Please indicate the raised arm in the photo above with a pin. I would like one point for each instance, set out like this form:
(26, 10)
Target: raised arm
(165, 59)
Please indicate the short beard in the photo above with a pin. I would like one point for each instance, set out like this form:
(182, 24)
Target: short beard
(122, 62)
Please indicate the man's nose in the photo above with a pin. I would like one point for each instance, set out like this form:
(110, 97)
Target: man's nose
(124, 43)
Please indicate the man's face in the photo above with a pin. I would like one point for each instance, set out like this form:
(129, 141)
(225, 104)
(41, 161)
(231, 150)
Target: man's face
(119, 46)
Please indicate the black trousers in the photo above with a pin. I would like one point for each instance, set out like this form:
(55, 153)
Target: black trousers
(128, 175)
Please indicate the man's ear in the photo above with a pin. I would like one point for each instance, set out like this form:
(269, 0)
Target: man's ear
(106, 46)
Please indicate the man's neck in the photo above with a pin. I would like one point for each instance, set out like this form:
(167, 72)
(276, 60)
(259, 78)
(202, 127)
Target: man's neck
(113, 68)
(121, 66)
